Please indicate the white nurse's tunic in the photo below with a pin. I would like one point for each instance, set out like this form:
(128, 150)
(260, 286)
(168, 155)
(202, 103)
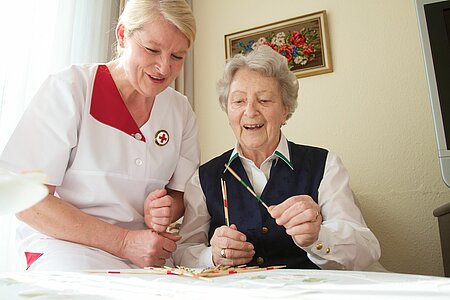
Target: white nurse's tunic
(78, 131)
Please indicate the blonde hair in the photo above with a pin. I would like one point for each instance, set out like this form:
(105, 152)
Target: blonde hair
(137, 13)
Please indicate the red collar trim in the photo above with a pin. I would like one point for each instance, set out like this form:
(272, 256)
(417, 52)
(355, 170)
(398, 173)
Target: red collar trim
(107, 105)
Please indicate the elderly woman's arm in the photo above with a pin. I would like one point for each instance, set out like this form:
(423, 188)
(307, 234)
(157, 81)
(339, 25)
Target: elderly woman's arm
(344, 240)
(192, 249)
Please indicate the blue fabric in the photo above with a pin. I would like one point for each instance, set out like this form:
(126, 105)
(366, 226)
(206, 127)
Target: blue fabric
(275, 246)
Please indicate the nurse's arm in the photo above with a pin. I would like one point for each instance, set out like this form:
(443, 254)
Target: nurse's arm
(61, 220)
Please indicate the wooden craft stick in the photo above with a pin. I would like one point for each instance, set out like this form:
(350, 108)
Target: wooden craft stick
(125, 272)
(225, 201)
(227, 270)
(185, 272)
(204, 274)
(246, 186)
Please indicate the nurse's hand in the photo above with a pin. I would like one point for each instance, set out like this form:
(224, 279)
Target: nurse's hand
(158, 210)
(230, 247)
(301, 217)
(146, 248)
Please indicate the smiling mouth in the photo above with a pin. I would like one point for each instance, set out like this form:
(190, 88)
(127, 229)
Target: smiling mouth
(159, 79)
(253, 126)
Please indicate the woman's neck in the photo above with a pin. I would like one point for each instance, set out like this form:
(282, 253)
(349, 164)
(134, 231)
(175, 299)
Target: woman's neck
(139, 106)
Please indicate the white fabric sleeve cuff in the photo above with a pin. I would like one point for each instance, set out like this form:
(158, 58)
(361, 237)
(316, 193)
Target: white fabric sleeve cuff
(205, 258)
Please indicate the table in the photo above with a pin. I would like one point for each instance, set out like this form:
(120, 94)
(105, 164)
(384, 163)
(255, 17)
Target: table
(271, 284)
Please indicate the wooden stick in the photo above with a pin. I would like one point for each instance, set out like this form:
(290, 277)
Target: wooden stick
(137, 272)
(225, 201)
(246, 186)
(181, 271)
(184, 272)
(228, 270)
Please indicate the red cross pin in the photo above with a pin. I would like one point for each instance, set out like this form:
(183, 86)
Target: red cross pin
(161, 137)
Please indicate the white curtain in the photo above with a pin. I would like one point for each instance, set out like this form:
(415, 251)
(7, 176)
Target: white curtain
(185, 81)
(40, 37)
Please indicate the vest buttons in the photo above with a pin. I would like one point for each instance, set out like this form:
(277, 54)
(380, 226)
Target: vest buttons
(260, 260)
(264, 230)
(138, 161)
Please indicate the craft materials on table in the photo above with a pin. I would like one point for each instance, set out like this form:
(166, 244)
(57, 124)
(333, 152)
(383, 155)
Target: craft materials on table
(204, 274)
(211, 272)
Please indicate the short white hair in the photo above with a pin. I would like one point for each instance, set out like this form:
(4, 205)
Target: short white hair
(267, 62)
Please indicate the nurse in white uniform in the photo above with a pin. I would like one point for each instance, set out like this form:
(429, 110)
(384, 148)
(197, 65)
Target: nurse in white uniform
(117, 145)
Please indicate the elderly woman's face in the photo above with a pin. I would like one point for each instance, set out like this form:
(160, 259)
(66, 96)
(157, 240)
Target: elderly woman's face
(154, 56)
(256, 111)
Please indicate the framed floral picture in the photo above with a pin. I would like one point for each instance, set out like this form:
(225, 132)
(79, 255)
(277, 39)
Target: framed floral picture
(302, 40)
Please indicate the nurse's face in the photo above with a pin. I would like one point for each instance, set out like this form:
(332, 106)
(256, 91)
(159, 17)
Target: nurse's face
(256, 112)
(153, 57)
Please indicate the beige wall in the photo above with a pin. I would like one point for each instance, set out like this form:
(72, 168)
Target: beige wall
(373, 111)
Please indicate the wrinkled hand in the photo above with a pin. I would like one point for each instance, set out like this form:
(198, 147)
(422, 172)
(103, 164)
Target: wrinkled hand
(146, 248)
(237, 250)
(158, 211)
(301, 217)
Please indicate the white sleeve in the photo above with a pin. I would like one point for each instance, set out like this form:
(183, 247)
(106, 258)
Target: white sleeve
(189, 158)
(345, 241)
(48, 130)
(193, 249)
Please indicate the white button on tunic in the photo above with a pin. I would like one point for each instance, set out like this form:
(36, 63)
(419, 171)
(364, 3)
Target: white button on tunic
(138, 136)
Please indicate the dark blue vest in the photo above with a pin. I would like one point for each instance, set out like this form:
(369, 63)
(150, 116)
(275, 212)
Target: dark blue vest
(272, 245)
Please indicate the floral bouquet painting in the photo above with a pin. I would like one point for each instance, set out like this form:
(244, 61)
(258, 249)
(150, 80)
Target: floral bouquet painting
(303, 41)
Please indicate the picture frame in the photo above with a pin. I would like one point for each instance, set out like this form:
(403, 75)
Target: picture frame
(303, 40)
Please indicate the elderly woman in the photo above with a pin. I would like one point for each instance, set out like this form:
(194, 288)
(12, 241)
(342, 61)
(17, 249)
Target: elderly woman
(312, 221)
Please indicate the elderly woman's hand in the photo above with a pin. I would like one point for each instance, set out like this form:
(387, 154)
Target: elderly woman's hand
(230, 247)
(301, 217)
(158, 210)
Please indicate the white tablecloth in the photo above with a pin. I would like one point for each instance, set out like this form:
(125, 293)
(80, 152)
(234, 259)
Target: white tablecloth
(272, 284)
